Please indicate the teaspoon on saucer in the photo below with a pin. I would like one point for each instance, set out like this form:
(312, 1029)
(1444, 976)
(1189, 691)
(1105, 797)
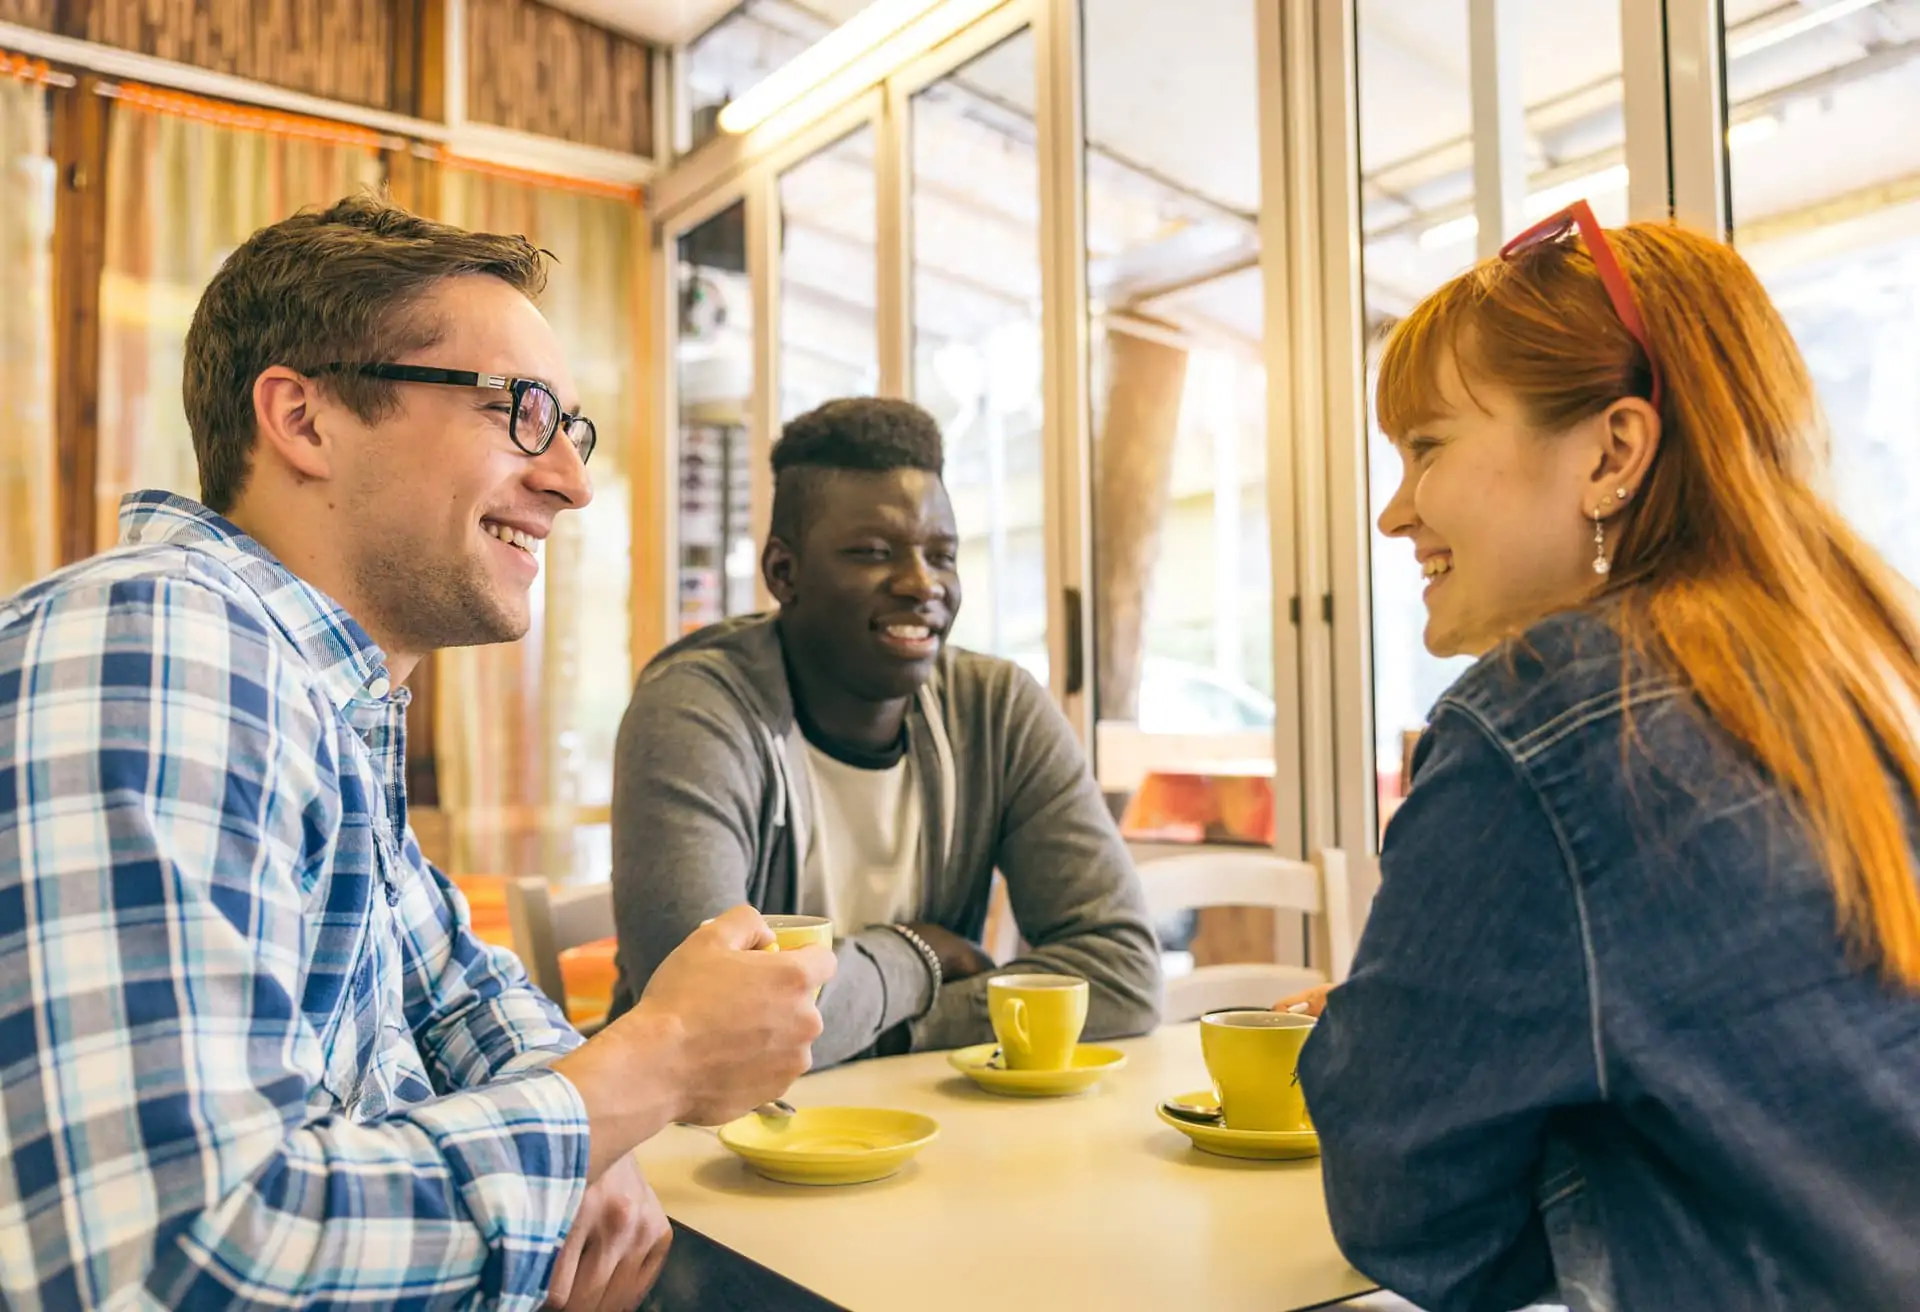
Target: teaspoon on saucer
(1191, 1113)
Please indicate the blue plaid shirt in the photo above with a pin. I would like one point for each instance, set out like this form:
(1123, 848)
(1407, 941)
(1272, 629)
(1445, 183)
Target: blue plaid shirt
(251, 1053)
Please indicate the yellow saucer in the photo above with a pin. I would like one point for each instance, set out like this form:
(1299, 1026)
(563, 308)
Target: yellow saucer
(1090, 1062)
(830, 1145)
(1253, 1145)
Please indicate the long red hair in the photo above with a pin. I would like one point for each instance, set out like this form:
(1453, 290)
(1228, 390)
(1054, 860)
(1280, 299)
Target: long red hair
(1731, 565)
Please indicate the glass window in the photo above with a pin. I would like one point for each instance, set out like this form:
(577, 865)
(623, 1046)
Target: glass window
(1417, 197)
(828, 343)
(757, 37)
(713, 369)
(976, 335)
(1826, 204)
(1182, 584)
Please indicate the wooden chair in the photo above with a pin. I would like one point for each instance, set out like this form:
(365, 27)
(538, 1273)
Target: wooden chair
(1222, 877)
(547, 921)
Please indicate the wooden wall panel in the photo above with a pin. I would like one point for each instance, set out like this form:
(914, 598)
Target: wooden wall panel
(39, 14)
(429, 83)
(413, 180)
(538, 70)
(79, 254)
(340, 49)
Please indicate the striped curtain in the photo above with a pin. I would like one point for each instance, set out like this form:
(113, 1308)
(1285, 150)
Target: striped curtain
(524, 732)
(187, 181)
(27, 442)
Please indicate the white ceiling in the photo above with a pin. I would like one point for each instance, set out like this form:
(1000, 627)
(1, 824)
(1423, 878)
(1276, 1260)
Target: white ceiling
(675, 22)
(663, 22)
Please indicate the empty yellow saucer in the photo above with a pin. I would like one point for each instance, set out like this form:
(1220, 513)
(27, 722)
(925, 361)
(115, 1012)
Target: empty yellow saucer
(1254, 1145)
(830, 1145)
(1090, 1062)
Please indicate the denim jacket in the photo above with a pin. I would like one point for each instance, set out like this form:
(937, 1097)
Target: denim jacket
(1601, 1034)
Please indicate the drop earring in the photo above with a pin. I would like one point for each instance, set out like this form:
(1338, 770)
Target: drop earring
(1601, 565)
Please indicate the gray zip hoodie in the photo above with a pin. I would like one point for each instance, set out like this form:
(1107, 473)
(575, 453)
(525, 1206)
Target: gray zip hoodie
(711, 808)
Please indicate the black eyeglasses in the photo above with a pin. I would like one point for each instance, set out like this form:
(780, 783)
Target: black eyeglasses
(536, 410)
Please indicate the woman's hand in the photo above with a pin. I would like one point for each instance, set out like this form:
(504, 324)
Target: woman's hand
(1310, 1003)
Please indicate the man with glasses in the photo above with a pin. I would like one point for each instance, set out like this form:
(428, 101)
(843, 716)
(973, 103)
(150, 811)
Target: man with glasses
(251, 1053)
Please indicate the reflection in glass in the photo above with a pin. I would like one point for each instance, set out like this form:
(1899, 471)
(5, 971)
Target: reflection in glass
(1826, 204)
(1182, 563)
(976, 336)
(713, 368)
(754, 39)
(828, 342)
(1417, 199)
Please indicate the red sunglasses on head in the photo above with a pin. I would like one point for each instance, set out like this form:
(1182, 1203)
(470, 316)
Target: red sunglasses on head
(1579, 217)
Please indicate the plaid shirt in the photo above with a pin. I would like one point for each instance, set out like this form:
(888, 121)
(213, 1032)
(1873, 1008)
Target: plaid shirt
(250, 1052)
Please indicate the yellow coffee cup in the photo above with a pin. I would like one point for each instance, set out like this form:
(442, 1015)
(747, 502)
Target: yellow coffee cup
(1037, 1018)
(1254, 1059)
(790, 932)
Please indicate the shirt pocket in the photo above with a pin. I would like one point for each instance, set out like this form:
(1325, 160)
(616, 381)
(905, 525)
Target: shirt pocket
(353, 1036)
(371, 1049)
(394, 1060)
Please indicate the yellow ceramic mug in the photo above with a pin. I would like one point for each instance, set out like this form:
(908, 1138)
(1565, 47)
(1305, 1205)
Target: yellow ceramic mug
(790, 932)
(1254, 1059)
(1037, 1018)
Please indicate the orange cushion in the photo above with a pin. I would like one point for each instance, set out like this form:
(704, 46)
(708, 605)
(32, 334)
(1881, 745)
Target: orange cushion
(590, 971)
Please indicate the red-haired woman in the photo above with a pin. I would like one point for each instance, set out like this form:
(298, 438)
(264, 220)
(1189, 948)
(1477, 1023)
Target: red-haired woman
(1636, 1017)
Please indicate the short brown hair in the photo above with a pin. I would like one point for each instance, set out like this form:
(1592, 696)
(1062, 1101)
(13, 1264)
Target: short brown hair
(323, 286)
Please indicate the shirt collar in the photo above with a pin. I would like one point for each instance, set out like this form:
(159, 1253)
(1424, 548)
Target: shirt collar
(349, 665)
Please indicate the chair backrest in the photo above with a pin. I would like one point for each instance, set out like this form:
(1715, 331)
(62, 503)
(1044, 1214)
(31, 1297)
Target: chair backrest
(1220, 877)
(1000, 938)
(547, 921)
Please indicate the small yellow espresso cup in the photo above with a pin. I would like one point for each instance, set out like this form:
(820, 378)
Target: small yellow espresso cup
(1037, 1018)
(1254, 1059)
(790, 932)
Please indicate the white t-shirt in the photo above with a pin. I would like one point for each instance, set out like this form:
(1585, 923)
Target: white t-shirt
(862, 863)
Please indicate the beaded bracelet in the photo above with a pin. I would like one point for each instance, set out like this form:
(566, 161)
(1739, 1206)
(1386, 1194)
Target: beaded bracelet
(928, 955)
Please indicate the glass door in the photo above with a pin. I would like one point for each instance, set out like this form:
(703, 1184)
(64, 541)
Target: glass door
(713, 367)
(1418, 141)
(976, 335)
(829, 297)
(1181, 568)
(1826, 206)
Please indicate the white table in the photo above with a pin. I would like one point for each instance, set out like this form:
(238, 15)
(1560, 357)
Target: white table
(1091, 1200)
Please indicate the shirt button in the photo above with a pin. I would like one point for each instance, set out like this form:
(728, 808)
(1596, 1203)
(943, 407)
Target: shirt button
(379, 688)
(133, 535)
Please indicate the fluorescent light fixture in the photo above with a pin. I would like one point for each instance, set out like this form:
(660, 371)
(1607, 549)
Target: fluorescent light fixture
(1807, 21)
(1757, 128)
(1537, 206)
(878, 64)
(852, 57)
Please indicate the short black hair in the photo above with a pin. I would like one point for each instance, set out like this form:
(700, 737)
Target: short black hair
(867, 433)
